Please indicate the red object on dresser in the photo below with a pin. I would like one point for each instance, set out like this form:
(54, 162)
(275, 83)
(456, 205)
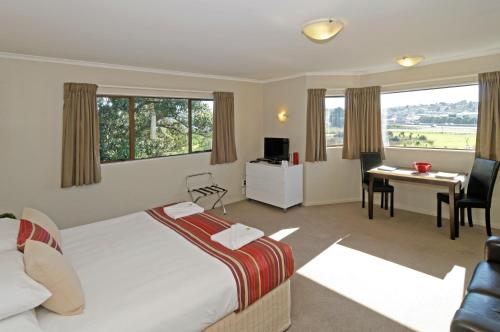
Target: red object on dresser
(422, 167)
(295, 158)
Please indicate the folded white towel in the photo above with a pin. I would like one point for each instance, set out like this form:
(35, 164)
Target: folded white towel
(183, 209)
(386, 168)
(237, 236)
(444, 175)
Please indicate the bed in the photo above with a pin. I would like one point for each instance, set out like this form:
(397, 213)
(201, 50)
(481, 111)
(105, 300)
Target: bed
(139, 275)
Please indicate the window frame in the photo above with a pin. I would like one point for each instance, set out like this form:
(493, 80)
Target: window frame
(334, 145)
(131, 127)
(444, 86)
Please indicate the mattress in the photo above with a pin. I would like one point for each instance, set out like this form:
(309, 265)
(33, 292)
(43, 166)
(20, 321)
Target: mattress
(138, 275)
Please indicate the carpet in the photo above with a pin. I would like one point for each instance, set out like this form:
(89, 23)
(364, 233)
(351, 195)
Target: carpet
(354, 274)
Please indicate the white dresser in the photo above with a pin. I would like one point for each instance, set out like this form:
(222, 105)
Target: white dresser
(274, 184)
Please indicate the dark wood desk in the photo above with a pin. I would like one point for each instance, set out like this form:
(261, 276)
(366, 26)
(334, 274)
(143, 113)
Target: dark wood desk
(409, 175)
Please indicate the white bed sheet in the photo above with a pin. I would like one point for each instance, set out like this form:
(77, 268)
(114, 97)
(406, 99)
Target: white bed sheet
(139, 275)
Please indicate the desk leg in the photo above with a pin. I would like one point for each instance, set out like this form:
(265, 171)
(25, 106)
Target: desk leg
(451, 192)
(370, 196)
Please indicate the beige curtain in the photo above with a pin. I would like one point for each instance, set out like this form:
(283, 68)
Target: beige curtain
(80, 150)
(223, 142)
(363, 124)
(488, 120)
(315, 136)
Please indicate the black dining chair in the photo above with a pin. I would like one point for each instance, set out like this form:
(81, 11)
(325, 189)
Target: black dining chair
(368, 161)
(479, 192)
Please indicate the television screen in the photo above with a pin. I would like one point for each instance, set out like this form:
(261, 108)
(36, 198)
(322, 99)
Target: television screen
(276, 148)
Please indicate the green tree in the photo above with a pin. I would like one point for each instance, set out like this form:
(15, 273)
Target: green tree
(161, 127)
(202, 125)
(113, 128)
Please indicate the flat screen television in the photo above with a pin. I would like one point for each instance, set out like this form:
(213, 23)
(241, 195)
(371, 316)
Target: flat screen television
(276, 149)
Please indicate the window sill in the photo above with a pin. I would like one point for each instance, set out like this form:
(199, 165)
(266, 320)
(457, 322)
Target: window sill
(428, 149)
(337, 147)
(175, 156)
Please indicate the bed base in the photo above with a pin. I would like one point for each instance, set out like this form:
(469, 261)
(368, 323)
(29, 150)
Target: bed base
(270, 314)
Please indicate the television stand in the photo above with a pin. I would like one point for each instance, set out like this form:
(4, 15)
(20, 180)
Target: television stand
(281, 186)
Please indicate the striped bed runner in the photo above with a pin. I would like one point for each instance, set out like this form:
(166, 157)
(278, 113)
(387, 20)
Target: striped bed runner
(257, 267)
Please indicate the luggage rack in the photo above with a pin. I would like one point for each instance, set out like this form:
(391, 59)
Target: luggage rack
(204, 191)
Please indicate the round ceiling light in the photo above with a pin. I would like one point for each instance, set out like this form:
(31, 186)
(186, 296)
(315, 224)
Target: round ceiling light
(322, 30)
(409, 60)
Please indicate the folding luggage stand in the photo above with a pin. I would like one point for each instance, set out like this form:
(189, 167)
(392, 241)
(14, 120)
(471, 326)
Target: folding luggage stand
(211, 189)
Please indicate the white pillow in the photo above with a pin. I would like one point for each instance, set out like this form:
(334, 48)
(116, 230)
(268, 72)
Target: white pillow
(23, 322)
(8, 234)
(19, 292)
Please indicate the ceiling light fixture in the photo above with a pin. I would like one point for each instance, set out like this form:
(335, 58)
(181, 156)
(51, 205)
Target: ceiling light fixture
(409, 60)
(322, 30)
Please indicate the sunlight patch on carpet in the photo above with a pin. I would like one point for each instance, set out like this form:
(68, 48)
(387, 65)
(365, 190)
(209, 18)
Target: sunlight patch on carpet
(283, 233)
(412, 298)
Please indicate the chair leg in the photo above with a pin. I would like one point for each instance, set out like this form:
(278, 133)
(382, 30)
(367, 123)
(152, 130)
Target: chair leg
(469, 216)
(363, 198)
(488, 225)
(457, 229)
(386, 203)
(439, 224)
(392, 204)
(462, 216)
(382, 200)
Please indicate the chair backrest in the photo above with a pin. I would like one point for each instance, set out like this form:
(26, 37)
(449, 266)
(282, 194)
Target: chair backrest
(368, 161)
(482, 179)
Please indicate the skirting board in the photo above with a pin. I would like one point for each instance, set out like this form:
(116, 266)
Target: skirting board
(478, 217)
(331, 201)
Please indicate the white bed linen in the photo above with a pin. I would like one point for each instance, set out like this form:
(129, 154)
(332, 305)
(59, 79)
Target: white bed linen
(139, 275)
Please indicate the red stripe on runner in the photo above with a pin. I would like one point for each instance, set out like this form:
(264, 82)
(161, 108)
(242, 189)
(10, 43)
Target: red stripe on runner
(257, 267)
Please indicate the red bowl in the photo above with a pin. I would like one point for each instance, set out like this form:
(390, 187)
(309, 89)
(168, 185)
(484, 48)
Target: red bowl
(422, 167)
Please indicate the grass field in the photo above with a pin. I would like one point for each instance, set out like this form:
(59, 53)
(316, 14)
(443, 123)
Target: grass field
(432, 139)
(460, 138)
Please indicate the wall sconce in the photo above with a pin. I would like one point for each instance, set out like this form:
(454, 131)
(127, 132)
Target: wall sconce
(282, 116)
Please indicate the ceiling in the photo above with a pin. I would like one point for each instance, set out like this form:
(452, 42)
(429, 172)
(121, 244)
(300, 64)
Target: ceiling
(257, 39)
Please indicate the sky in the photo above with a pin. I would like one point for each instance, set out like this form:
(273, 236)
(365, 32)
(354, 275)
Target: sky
(334, 102)
(430, 96)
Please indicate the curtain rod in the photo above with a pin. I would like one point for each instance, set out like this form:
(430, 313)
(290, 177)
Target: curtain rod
(149, 88)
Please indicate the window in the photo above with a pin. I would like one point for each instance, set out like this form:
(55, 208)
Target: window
(150, 127)
(442, 118)
(334, 120)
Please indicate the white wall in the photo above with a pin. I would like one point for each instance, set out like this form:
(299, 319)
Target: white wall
(332, 181)
(338, 180)
(289, 96)
(31, 100)
(335, 181)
